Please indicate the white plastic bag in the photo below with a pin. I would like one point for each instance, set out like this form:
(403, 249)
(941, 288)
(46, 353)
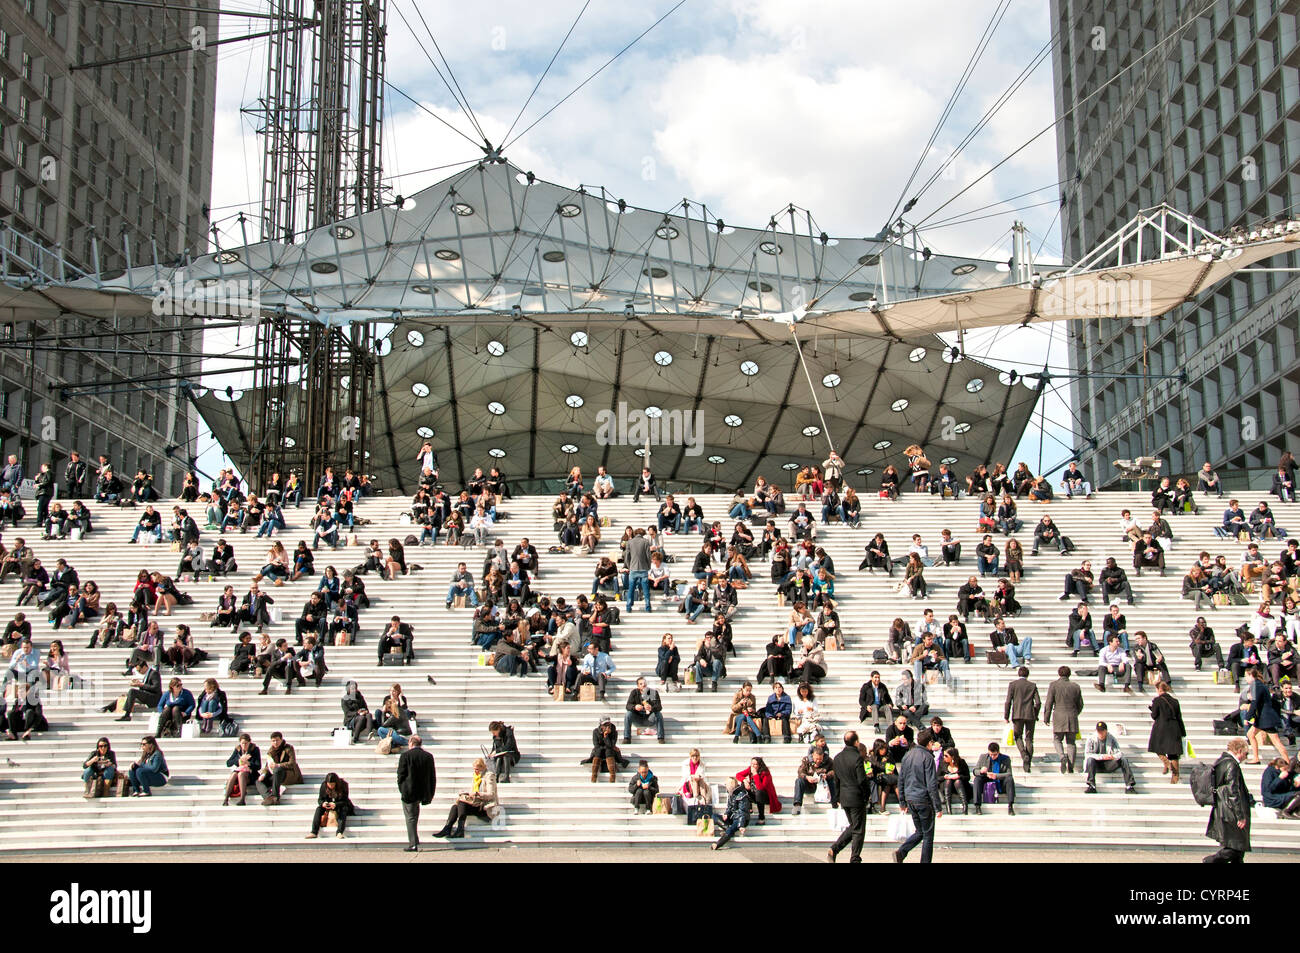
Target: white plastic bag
(901, 827)
(189, 731)
(341, 738)
(836, 819)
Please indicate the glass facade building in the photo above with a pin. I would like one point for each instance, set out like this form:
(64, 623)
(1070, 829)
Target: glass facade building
(112, 166)
(1195, 104)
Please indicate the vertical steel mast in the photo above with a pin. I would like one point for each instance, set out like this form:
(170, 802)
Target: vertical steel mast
(321, 124)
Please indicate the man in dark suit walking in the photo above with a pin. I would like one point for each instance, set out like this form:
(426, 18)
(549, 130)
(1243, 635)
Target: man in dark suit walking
(918, 794)
(416, 780)
(851, 773)
(1064, 703)
(1021, 709)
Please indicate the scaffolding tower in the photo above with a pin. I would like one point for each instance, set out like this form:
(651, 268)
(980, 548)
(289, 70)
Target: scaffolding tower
(321, 120)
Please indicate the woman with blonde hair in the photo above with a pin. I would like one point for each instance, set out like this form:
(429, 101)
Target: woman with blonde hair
(479, 801)
(695, 781)
(573, 483)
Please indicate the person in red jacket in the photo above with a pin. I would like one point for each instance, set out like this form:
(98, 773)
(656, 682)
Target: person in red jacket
(765, 795)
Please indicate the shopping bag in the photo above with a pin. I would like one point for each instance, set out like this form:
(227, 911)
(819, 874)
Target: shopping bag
(1011, 737)
(189, 731)
(704, 827)
(341, 738)
(1188, 750)
(901, 827)
(836, 819)
(662, 805)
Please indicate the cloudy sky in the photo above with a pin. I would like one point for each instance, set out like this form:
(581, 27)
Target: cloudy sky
(745, 105)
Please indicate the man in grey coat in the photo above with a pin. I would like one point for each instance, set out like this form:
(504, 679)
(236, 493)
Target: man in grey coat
(918, 794)
(636, 557)
(1021, 710)
(417, 780)
(1064, 704)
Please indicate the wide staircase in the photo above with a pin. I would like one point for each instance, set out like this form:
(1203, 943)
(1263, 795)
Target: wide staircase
(550, 800)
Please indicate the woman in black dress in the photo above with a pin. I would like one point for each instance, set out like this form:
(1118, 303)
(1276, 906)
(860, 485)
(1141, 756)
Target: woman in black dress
(1167, 730)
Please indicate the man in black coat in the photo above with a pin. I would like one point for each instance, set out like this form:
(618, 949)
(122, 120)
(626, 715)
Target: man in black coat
(854, 797)
(874, 701)
(74, 476)
(417, 780)
(1230, 816)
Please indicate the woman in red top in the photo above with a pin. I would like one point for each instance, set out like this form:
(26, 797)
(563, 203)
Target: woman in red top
(764, 788)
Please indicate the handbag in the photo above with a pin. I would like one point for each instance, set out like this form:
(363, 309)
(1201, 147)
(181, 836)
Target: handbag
(385, 745)
(901, 827)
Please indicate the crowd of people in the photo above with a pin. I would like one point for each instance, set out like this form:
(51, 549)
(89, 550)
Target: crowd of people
(520, 629)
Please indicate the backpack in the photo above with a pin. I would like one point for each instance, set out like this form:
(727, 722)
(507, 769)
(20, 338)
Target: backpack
(879, 655)
(1202, 780)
